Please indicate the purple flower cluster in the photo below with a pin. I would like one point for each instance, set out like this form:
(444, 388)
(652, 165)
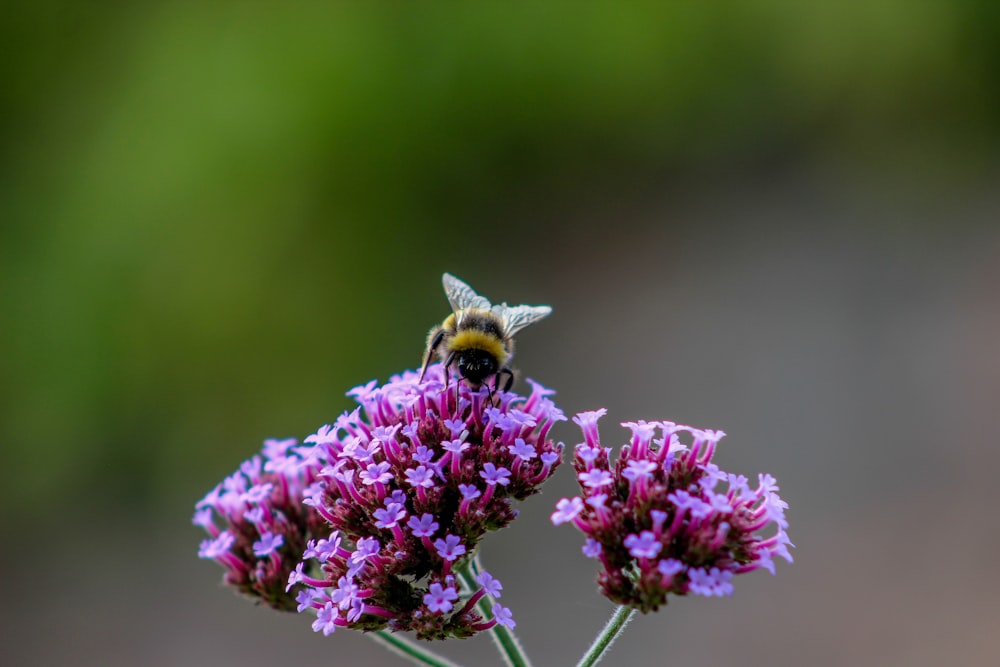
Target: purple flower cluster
(374, 525)
(410, 482)
(258, 524)
(665, 519)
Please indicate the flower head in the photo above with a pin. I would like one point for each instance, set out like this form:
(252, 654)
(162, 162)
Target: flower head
(409, 484)
(664, 519)
(259, 523)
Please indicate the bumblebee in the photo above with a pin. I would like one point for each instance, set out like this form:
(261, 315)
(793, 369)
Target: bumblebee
(478, 337)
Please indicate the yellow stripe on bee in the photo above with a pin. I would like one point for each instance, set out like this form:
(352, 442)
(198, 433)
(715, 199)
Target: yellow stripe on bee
(473, 339)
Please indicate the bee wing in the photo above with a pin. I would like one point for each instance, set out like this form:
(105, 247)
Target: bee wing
(515, 318)
(461, 296)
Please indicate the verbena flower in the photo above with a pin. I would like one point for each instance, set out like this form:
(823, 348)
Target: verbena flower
(664, 519)
(392, 499)
(258, 524)
(409, 483)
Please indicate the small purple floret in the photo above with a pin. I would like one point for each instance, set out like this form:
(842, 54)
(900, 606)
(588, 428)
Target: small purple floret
(267, 544)
(567, 509)
(490, 584)
(449, 548)
(503, 616)
(439, 599)
(643, 545)
(493, 475)
(425, 526)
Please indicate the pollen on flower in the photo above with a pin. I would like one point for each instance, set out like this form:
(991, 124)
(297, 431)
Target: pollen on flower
(663, 519)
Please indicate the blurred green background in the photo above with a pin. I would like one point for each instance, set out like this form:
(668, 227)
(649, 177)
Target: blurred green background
(774, 218)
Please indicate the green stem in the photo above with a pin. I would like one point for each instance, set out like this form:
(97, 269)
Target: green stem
(506, 641)
(410, 650)
(615, 626)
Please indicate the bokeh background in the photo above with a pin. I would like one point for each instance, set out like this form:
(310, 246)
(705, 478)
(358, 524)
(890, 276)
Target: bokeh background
(778, 219)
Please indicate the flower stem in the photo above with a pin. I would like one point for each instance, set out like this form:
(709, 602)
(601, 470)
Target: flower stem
(410, 650)
(506, 641)
(614, 627)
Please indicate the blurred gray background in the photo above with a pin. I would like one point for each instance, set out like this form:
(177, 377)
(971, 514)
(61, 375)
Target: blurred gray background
(775, 219)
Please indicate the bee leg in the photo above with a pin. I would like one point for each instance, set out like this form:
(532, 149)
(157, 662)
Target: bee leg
(447, 368)
(510, 378)
(489, 392)
(431, 349)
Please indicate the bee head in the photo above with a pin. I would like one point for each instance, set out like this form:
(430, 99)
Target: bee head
(476, 365)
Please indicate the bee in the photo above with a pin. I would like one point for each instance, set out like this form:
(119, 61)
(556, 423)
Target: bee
(478, 337)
